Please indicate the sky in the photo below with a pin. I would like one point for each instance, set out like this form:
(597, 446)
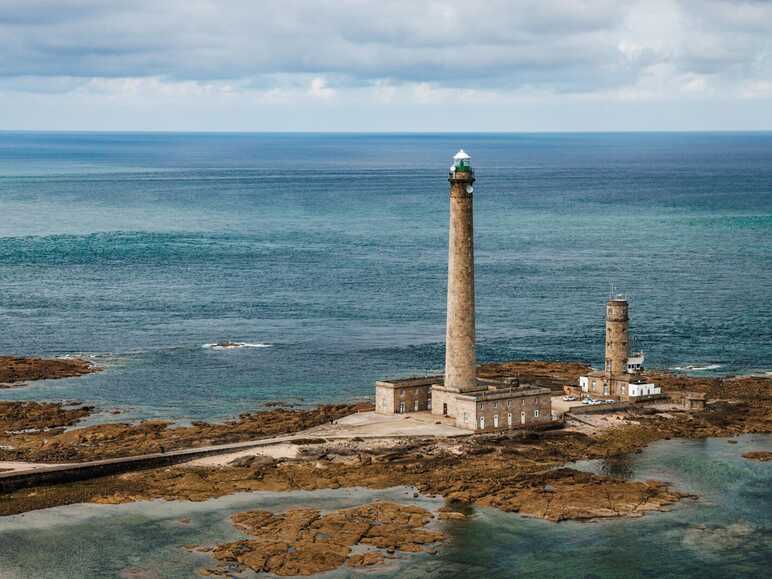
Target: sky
(390, 65)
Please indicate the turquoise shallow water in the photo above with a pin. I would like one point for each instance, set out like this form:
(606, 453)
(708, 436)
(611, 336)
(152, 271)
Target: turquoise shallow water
(726, 532)
(138, 249)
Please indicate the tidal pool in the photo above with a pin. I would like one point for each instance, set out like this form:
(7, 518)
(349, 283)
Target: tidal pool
(726, 532)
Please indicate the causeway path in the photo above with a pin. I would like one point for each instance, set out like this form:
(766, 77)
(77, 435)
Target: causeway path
(15, 475)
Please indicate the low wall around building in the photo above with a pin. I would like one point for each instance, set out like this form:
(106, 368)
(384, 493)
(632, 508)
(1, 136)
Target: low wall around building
(616, 407)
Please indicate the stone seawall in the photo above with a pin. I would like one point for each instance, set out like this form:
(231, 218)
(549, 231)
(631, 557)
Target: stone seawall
(49, 475)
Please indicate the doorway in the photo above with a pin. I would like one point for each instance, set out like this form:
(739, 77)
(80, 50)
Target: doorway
(444, 409)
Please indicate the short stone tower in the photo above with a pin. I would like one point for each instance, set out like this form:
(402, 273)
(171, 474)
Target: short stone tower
(617, 335)
(460, 359)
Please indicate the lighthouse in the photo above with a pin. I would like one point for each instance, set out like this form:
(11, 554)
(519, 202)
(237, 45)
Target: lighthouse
(460, 358)
(617, 335)
(458, 395)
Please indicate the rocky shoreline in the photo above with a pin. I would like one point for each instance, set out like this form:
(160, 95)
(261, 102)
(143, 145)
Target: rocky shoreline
(518, 471)
(148, 436)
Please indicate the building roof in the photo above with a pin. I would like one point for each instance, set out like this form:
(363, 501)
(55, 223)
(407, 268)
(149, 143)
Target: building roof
(504, 393)
(411, 381)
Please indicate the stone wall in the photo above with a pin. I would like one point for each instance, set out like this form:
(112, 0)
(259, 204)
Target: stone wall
(442, 397)
(384, 399)
(525, 411)
(402, 398)
(466, 416)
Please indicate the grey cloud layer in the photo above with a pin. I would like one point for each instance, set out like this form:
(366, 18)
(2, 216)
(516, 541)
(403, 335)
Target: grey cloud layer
(556, 45)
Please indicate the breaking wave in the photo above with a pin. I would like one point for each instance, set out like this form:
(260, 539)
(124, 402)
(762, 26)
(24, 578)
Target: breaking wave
(235, 345)
(696, 368)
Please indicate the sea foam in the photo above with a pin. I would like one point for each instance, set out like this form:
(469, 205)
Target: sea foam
(696, 368)
(235, 345)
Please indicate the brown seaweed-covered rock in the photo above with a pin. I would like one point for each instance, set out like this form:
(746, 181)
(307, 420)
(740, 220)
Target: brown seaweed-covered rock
(568, 494)
(150, 436)
(304, 541)
(760, 455)
(14, 371)
(474, 470)
(544, 373)
(18, 416)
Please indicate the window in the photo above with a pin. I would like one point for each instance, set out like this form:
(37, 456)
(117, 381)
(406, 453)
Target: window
(401, 393)
(536, 413)
(466, 417)
(482, 422)
(509, 403)
(509, 419)
(495, 421)
(522, 417)
(495, 403)
(415, 405)
(401, 407)
(429, 404)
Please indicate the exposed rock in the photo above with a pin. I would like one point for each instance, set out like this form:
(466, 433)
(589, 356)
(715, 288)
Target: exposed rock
(581, 496)
(252, 461)
(15, 371)
(760, 455)
(503, 471)
(22, 416)
(150, 436)
(304, 541)
(446, 513)
(543, 373)
(369, 559)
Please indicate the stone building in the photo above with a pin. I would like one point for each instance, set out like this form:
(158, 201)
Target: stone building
(405, 394)
(694, 401)
(474, 404)
(622, 377)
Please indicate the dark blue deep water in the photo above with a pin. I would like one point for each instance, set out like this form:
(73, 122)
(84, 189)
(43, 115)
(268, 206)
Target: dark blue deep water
(138, 249)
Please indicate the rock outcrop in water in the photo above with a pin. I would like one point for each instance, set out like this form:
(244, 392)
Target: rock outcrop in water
(760, 455)
(305, 541)
(14, 372)
(40, 416)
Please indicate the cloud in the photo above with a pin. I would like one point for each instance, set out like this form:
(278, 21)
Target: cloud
(565, 45)
(389, 54)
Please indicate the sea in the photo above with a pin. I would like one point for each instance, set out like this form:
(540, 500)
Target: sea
(324, 256)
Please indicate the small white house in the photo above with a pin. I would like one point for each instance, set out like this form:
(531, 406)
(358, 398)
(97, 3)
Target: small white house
(643, 389)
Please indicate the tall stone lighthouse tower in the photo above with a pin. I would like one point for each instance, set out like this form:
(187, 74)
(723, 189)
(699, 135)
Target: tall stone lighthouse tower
(460, 359)
(617, 335)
